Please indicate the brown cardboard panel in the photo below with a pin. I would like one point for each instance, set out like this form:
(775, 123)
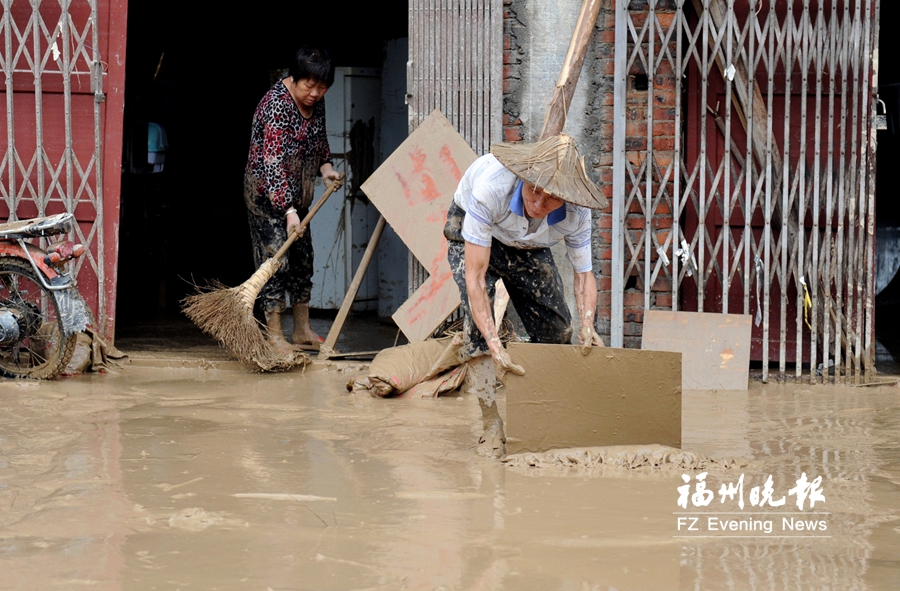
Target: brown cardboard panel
(607, 397)
(429, 305)
(413, 190)
(715, 348)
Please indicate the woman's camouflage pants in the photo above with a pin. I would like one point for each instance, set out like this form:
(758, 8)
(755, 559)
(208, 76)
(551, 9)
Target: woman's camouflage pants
(268, 233)
(531, 278)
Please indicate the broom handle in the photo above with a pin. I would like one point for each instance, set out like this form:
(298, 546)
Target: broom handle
(335, 185)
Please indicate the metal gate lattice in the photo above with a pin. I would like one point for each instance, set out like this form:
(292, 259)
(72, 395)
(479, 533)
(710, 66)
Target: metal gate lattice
(455, 65)
(744, 170)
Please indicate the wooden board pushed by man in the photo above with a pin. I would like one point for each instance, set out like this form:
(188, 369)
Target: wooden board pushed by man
(567, 398)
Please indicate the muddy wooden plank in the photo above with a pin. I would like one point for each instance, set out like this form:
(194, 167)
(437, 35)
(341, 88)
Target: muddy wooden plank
(413, 190)
(608, 397)
(350, 297)
(715, 348)
(557, 111)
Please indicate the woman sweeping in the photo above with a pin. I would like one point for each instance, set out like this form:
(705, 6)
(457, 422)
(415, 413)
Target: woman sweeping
(288, 149)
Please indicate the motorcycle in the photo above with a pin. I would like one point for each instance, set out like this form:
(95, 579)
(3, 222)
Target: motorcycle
(41, 310)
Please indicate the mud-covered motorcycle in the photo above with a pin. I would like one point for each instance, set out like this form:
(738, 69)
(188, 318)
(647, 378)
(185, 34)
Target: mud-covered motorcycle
(41, 311)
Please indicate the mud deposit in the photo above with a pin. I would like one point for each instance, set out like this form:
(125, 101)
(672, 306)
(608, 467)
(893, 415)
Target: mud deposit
(205, 479)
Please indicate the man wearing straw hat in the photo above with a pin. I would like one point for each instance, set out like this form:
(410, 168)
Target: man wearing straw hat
(510, 207)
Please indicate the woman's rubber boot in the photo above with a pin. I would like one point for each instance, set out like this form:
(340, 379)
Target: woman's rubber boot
(303, 334)
(482, 381)
(275, 334)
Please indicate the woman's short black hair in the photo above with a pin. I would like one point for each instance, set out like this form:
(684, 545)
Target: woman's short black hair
(313, 63)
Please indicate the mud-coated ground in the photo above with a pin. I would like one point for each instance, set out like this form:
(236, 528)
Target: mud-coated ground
(162, 478)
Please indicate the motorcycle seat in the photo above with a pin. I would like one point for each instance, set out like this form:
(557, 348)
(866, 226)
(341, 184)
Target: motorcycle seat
(37, 227)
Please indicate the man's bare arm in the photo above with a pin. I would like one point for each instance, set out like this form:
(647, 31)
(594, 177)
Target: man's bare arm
(477, 259)
(586, 301)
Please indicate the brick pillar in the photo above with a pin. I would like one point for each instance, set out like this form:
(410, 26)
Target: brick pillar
(512, 59)
(636, 144)
(599, 70)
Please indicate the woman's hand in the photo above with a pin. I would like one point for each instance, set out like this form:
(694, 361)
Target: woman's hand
(329, 174)
(293, 222)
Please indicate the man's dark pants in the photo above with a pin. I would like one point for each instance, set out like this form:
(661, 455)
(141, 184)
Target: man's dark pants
(531, 278)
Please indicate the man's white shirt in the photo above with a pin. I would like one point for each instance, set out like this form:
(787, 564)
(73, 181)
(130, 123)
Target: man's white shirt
(491, 196)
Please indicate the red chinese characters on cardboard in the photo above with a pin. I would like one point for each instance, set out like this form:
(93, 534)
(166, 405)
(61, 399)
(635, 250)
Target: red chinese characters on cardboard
(413, 190)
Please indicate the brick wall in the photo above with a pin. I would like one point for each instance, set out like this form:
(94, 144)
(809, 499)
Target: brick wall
(512, 77)
(598, 70)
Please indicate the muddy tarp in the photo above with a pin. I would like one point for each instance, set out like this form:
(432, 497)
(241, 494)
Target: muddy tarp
(427, 369)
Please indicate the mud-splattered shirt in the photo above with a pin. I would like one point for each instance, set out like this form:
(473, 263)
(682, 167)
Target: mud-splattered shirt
(286, 150)
(491, 196)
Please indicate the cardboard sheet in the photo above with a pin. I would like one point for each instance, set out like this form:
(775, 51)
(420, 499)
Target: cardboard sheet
(413, 190)
(715, 348)
(608, 397)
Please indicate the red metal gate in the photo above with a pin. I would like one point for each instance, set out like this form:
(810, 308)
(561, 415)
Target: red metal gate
(63, 63)
(792, 103)
(759, 189)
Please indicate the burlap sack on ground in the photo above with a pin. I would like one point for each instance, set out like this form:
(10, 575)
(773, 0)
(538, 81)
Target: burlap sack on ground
(422, 369)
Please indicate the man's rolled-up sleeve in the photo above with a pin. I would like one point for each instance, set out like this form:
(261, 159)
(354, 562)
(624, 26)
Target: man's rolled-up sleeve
(478, 226)
(578, 244)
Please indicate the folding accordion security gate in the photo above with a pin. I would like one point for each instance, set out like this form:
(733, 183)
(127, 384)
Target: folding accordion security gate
(455, 65)
(744, 171)
(63, 64)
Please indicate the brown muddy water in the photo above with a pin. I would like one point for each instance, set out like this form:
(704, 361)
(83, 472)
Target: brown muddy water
(159, 478)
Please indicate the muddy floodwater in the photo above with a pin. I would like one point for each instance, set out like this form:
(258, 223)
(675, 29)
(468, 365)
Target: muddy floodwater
(162, 478)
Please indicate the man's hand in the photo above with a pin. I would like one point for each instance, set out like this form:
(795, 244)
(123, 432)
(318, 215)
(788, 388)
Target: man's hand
(503, 364)
(589, 338)
(586, 298)
(477, 260)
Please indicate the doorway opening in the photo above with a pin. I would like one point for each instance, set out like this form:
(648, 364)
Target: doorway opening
(192, 85)
(887, 206)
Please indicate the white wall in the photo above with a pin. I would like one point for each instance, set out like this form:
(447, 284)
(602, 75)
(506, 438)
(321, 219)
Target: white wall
(545, 29)
(392, 253)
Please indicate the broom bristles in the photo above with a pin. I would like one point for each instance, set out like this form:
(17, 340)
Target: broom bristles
(223, 313)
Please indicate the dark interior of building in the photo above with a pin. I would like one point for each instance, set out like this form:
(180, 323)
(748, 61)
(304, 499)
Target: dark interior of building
(887, 206)
(199, 76)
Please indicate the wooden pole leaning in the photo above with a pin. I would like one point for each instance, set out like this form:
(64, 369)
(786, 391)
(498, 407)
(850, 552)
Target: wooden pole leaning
(327, 349)
(555, 119)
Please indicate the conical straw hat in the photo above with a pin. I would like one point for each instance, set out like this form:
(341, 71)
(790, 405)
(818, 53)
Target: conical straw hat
(554, 166)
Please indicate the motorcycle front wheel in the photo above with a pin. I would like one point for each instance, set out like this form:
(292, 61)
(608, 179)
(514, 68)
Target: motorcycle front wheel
(45, 347)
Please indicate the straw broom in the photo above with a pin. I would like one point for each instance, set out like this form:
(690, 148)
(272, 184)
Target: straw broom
(227, 313)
